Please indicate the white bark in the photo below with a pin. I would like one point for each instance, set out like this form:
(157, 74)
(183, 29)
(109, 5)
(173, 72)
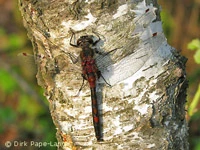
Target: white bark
(144, 108)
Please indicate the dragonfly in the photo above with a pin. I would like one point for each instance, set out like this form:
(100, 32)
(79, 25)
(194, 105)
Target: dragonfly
(91, 73)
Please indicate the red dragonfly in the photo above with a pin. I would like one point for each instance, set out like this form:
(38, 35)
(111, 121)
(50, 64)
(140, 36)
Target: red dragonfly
(90, 73)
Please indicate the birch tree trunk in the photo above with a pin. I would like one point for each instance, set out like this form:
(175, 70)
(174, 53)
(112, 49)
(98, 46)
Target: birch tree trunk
(144, 107)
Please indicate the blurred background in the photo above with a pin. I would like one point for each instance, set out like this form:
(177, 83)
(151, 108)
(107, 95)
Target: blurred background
(24, 113)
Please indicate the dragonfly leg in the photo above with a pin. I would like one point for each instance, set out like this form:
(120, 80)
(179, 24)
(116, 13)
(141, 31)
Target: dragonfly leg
(81, 86)
(73, 58)
(74, 45)
(100, 75)
(105, 80)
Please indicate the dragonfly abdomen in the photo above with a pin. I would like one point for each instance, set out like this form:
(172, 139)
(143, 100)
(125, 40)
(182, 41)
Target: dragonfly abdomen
(96, 115)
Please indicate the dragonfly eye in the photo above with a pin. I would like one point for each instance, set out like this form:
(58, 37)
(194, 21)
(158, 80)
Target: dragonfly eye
(84, 39)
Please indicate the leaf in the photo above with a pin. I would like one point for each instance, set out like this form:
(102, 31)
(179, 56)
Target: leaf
(194, 103)
(197, 56)
(194, 44)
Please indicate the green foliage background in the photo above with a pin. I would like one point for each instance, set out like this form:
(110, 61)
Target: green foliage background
(24, 113)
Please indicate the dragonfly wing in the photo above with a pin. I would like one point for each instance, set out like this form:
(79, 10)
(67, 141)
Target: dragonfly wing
(147, 37)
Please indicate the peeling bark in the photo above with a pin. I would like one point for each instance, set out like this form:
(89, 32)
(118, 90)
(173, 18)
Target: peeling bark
(145, 106)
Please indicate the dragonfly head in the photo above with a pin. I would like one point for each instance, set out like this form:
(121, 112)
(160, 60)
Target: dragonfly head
(85, 41)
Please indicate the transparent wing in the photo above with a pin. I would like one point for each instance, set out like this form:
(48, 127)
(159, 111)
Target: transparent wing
(147, 37)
